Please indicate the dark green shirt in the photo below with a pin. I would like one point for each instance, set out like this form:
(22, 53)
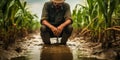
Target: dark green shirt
(53, 16)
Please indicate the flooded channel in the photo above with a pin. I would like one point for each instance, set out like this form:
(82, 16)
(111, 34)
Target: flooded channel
(34, 49)
(52, 52)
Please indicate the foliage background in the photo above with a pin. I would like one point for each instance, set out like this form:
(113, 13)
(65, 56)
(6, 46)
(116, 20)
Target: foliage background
(15, 20)
(98, 21)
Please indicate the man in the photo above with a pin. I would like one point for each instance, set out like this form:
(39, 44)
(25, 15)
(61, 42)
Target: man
(56, 21)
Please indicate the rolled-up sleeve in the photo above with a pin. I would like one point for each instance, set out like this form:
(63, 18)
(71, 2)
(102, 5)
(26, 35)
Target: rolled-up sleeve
(44, 15)
(68, 13)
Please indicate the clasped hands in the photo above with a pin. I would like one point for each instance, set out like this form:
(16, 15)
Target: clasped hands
(57, 30)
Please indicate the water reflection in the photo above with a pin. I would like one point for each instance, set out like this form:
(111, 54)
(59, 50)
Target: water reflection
(20, 58)
(56, 53)
(85, 58)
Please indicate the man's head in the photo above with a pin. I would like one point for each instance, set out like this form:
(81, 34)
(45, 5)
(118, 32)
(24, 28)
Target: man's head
(58, 3)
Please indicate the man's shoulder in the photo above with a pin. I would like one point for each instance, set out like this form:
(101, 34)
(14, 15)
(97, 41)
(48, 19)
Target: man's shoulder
(66, 4)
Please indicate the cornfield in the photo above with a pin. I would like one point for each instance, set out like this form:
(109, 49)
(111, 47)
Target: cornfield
(15, 20)
(98, 20)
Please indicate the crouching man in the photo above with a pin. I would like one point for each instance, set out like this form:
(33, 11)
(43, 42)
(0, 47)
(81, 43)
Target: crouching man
(56, 21)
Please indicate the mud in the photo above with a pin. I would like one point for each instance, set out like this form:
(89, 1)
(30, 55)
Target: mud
(32, 48)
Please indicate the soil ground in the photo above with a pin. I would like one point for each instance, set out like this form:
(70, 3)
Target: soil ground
(32, 48)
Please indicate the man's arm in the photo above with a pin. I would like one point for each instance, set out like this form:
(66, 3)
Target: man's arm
(53, 28)
(46, 23)
(56, 30)
(61, 27)
(67, 22)
(44, 19)
(68, 19)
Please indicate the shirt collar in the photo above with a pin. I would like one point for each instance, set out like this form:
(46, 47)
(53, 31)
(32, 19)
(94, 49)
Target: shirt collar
(52, 6)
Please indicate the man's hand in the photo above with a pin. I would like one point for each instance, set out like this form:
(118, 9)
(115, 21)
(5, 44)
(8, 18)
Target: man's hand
(54, 30)
(59, 29)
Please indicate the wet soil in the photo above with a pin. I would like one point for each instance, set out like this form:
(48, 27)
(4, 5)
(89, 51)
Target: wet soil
(32, 48)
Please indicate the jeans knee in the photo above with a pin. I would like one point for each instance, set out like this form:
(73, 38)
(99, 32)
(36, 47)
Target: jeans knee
(43, 28)
(70, 28)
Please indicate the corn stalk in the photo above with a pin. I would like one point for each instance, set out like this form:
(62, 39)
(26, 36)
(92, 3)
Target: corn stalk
(15, 20)
(96, 20)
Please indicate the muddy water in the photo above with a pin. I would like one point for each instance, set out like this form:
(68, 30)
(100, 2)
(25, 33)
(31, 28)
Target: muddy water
(34, 49)
(56, 53)
(52, 52)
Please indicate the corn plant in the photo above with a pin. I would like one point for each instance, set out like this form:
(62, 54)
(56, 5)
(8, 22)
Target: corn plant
(96, 20)
(15, 20)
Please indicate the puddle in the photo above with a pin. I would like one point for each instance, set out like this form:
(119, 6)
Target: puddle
(51, 52)
(35, 50)
(20, 58)
(56, 53)
(85, 58)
